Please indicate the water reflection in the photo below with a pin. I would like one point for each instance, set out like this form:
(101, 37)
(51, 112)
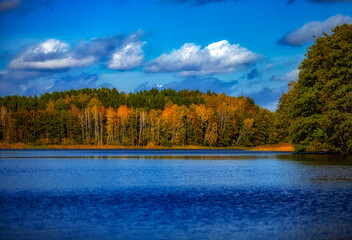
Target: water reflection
(318, 159)
(123, 153)
(174, 195)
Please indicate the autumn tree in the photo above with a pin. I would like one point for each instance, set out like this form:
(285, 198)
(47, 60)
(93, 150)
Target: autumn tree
(6, 124)
(106, 116)
(123, 116)
(111, 125)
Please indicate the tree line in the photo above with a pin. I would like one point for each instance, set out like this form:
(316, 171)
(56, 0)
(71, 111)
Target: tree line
(153, 118)
(104, 116)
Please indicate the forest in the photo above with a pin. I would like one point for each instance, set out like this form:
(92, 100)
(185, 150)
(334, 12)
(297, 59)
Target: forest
(149, 118)
(315, 115)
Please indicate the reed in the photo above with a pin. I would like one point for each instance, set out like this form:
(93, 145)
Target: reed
(280, 147)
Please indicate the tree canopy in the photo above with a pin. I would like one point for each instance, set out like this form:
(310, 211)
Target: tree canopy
(106, 116)
(317, 109)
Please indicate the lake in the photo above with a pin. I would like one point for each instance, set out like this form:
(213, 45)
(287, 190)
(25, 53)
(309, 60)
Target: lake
(174, 194)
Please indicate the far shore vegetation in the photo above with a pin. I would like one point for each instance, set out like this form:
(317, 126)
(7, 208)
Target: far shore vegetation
(314, 115)
(282, 147)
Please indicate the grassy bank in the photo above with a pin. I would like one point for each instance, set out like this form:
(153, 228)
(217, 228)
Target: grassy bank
(280, 147)
(273, 147)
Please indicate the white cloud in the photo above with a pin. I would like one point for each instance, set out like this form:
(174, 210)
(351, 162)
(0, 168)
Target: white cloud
(293, 75)
(127, 57)
(50, 46)
(54, 64)
(305, 33)
(191, 60)
(38, 64)
(117, 52)
(49, 55)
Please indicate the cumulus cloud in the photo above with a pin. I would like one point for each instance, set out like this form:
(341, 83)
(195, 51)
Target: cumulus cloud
(49, 55)
(191, 60)
(118, 52)
(52, 64)
(6, 5)
(104, 47)
(40, 67)
(305, 33)
(127, 57)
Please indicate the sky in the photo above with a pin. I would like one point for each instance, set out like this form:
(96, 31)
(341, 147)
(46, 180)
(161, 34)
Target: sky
(238, 47)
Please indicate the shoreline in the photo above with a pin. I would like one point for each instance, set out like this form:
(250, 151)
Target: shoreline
(281, 147)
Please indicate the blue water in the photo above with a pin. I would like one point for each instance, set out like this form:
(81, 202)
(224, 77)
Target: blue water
(174, 194)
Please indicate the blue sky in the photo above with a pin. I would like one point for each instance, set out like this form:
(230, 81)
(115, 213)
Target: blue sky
(240, 47)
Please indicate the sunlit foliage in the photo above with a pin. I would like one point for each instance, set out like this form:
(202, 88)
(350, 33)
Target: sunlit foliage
(149, 118)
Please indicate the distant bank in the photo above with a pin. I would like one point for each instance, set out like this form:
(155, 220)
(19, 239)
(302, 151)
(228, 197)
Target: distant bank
(281, 147)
